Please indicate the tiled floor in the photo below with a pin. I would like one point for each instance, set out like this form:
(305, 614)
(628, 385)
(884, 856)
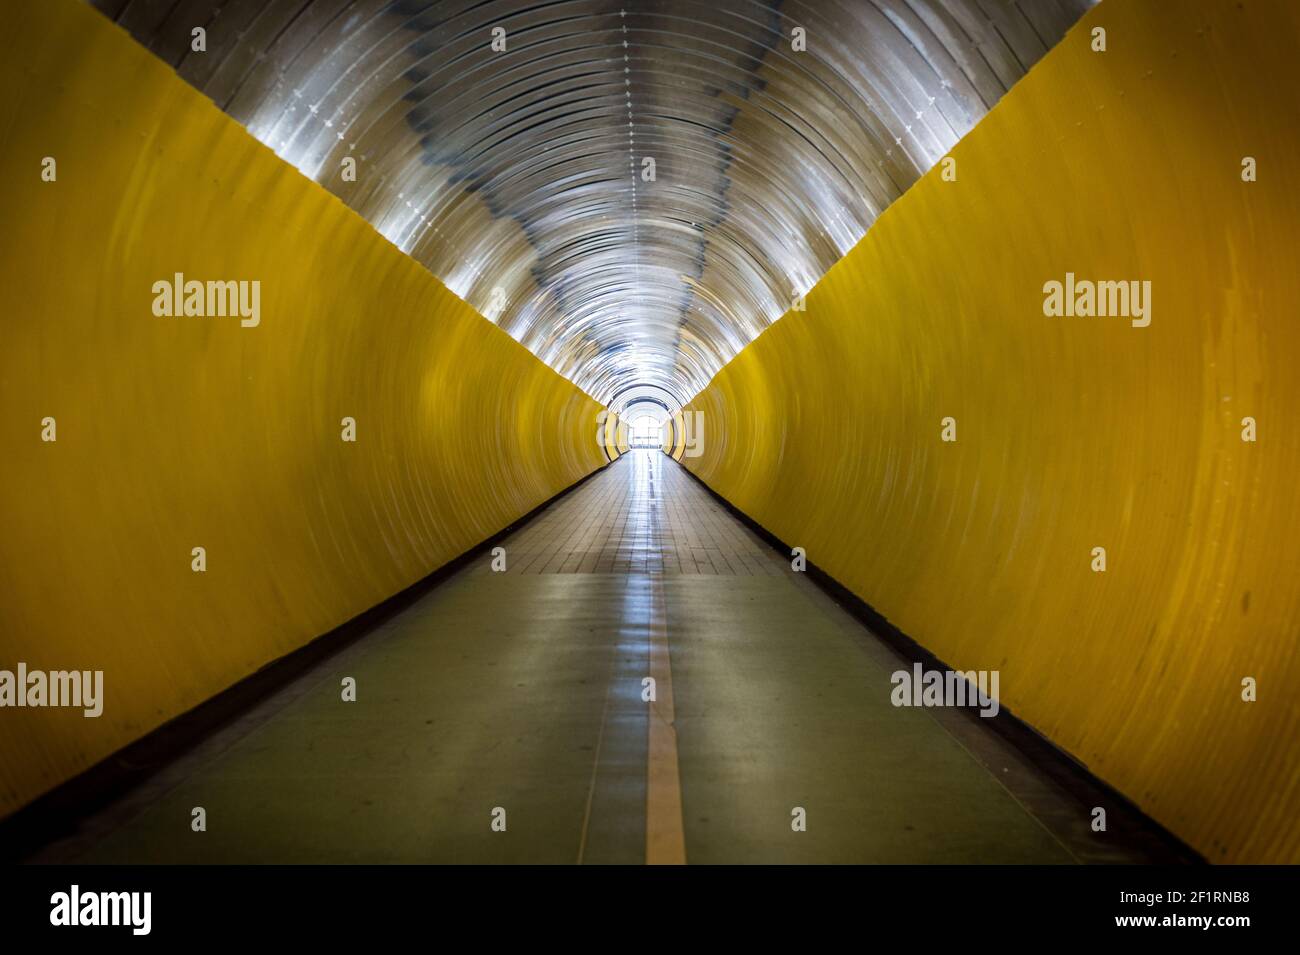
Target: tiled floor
(643, 516)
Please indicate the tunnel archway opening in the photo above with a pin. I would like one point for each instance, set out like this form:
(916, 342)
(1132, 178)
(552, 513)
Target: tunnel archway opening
(647, 418)
(645, 433)
(646, 412)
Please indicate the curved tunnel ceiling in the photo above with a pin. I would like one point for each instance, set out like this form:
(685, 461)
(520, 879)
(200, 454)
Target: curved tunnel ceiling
(518, 178)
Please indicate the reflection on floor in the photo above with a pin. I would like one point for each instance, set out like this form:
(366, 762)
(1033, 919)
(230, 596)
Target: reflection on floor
(504, 718)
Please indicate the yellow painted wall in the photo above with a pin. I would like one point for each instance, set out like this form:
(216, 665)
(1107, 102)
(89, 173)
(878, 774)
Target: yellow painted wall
(609, 436)
(174, 433)
(1075, 433)
(675, 446)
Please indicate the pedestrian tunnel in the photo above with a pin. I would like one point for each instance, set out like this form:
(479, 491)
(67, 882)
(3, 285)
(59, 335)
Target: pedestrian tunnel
(670, 424)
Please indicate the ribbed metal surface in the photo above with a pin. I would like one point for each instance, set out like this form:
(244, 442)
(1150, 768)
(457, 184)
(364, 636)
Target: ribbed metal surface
(516, 176)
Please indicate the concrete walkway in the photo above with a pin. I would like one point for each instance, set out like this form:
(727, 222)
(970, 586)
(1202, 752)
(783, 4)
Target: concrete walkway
(524, 690)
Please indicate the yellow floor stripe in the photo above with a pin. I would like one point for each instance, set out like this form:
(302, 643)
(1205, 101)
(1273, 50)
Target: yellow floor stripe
(665, 841)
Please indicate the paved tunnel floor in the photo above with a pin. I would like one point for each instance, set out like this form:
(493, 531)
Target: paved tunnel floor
(522, 690)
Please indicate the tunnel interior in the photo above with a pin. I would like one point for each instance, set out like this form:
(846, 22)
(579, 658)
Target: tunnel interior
(639, 399)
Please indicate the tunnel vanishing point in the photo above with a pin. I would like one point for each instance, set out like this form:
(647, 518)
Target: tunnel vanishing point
(650, 431)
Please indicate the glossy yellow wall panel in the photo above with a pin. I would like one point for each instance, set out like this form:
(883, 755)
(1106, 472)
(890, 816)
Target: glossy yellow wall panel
(678, 447)
(175, 433)
(1076, 433)
(609, 436)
